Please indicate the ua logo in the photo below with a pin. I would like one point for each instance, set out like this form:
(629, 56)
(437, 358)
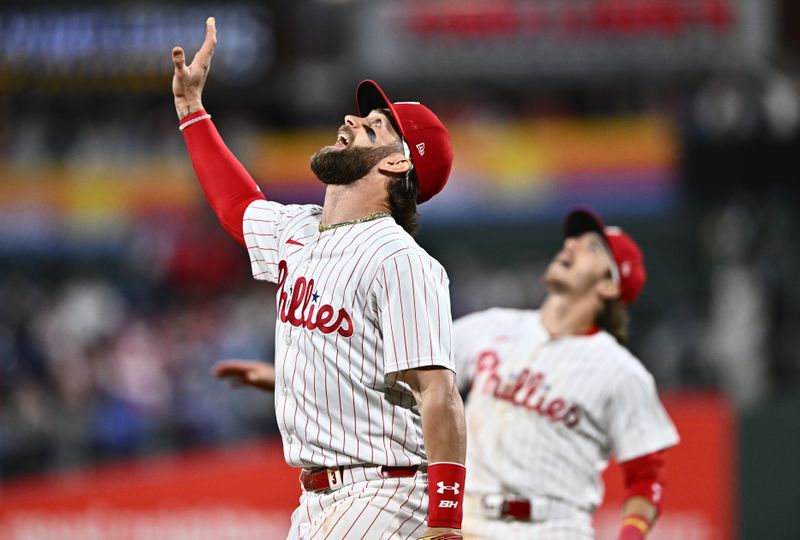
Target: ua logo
(421, 148)
(443, 487)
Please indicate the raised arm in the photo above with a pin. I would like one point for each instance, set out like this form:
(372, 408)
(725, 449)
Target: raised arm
(228, 187)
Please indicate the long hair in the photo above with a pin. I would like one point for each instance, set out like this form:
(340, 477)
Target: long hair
(403, 190)
(614, 319)
(403, 193)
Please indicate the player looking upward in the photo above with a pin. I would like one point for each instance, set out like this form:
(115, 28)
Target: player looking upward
(366, 399)
(553, 393)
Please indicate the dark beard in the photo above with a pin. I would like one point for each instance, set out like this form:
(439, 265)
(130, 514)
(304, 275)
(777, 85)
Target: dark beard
(343, 167)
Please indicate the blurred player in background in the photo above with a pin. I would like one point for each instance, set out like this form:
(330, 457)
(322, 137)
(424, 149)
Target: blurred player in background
(366, 398)
(554, 393)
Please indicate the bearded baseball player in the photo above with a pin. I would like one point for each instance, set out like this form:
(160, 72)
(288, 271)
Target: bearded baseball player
(365, 394)
(553, 393)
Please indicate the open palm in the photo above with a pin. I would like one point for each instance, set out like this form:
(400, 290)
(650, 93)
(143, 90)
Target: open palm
(188, 81)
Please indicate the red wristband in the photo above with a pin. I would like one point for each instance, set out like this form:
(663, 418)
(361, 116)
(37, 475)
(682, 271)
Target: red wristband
(446, 494)
(634, 527)
(193, 118)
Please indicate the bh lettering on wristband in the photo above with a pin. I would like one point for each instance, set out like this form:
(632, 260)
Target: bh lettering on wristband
(446, 494)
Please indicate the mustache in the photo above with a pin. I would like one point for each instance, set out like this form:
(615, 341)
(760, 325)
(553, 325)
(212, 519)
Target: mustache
(348, 132)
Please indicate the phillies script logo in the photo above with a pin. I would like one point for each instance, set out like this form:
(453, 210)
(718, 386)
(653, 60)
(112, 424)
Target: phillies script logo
(300, 312)
(527, 390)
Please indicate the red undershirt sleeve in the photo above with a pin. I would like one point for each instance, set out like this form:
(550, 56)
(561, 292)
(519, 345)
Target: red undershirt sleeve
(644, 477)
(228, 187)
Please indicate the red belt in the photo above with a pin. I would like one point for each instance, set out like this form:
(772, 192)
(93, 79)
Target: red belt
(497, 506)
(519, 510)
(325, 479)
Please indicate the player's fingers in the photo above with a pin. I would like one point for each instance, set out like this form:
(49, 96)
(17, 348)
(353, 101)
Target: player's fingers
(226, 371)
(178, 58)
(206, 51)
(232, 367)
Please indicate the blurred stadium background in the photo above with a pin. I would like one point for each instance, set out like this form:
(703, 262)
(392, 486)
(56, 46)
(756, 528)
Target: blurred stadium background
(677, 119)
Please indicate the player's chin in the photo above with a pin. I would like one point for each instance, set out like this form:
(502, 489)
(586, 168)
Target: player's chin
(554, 279)
(554, 272)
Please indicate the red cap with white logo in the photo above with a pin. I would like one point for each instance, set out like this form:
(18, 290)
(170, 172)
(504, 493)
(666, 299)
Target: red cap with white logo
(628, 269)
(426, 137)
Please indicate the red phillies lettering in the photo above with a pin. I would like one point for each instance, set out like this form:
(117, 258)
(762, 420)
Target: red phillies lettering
(300, 312)
(487, 367)
(526, 389)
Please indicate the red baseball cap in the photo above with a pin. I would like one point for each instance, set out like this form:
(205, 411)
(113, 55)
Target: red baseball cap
(628, 269)
(427, 139)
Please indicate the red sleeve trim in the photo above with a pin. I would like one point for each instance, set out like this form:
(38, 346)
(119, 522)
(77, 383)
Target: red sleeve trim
(644, 477)
(228, 187)
(193, 118)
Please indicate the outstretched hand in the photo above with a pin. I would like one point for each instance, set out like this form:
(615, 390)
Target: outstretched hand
(188, 81)
(246, 373)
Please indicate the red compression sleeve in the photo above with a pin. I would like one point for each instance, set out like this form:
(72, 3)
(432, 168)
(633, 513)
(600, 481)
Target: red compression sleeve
(228, 187)
(446, 494)
(644, 477)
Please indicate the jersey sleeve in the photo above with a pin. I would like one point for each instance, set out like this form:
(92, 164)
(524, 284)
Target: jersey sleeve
(263, 226)
(638, 422)
(466, 331)
(413, 304)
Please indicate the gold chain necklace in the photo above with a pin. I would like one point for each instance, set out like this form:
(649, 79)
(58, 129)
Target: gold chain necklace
(374, 215)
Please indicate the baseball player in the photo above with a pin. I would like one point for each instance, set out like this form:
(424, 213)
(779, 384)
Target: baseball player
(365, 393)
(553, 393)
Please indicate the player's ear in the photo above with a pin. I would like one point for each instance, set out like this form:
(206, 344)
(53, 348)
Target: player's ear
(394, 164)
(607, 289)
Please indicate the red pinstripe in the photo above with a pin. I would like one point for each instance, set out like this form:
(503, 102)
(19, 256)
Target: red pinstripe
(402, 312)
(352, 265)
(352, 501)
(325, 343)
(389, 326)
(400, 508)
(363, 333)
(324, 366)
(414, 303)
(251, 233)
(259, 220)
(396, 488)
(364, 509)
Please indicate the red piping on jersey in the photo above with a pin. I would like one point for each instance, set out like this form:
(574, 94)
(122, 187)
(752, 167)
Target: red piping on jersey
(228, 187)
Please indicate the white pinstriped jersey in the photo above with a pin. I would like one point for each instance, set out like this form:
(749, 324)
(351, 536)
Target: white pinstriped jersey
(544, 415)
(356, 304)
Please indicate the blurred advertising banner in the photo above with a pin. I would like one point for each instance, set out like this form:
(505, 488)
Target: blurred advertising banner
(248, 493)
(557, 39)
(701, 475)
